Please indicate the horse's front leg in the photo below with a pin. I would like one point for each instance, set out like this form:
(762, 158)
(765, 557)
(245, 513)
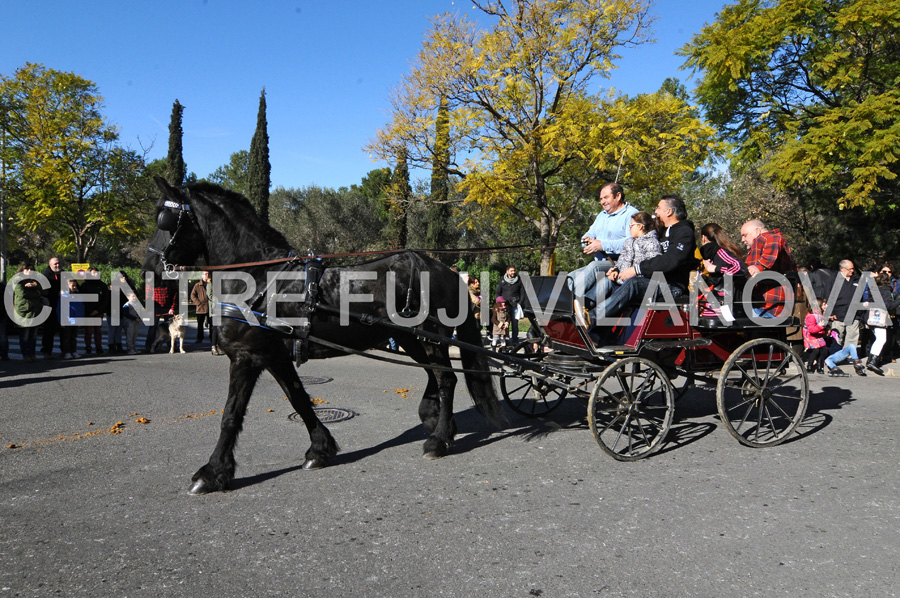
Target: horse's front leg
(322, 444)
(219, 471)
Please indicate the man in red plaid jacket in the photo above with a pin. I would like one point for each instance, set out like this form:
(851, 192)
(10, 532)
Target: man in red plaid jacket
(768, 251)
(165, 294)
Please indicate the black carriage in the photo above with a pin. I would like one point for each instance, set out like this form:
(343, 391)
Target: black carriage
(629, 378)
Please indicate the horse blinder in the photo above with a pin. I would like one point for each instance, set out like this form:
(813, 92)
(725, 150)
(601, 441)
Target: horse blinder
(167, 220)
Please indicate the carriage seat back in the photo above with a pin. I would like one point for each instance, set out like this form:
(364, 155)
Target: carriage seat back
(552, 293)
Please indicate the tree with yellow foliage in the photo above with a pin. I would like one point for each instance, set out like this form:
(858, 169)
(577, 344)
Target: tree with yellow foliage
(528, 138)
(72, 180)
(807, 91)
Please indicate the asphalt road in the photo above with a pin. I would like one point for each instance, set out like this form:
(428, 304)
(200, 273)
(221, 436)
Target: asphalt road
(535, 509)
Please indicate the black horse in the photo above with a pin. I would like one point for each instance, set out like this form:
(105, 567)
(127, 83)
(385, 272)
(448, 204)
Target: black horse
(208, 224)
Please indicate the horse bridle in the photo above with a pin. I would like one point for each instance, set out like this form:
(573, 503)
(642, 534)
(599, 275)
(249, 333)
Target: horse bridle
(171, 219)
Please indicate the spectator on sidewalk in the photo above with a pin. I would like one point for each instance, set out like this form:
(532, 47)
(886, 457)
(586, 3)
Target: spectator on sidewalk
(131, 322)
(511, 288)
(4, 322)
(200, 299)
(117, 327)
(499, 323)
(95, 309)
(68, 337)
(165, 294)
(847, 283)
(28, 305)
(51, 325)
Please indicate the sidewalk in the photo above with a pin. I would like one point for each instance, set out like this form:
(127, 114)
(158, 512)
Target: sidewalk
(15, 352)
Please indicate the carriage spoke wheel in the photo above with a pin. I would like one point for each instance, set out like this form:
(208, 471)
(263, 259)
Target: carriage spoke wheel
(527, 393)
(630, 409)
(531, 395)
(762, 392)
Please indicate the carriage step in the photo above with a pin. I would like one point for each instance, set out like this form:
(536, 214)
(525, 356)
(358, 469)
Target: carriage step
(677, 344)
(616, 350)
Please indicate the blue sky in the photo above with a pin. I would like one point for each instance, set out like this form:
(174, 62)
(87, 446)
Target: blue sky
(327, 67)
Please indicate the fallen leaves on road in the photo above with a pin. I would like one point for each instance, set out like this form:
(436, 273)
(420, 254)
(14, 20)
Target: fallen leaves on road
(116, 429)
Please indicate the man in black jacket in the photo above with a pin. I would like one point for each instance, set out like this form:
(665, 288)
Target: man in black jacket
(846, 284)
(51, 325)
(675, 262)
(510, 288)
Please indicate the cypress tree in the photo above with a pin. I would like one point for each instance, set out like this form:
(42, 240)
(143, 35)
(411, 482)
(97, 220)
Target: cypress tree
(402, 193)
(438, 212)
(176, 171)
(259, 168)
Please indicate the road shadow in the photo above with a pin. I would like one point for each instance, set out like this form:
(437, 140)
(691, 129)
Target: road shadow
(830, 398)
(682, 434)
(19, 382)
(238, 483)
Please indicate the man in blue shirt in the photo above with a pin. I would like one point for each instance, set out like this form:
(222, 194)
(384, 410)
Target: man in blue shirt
(604, 240)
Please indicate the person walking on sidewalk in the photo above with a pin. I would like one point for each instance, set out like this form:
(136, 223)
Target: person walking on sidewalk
(880, 329)
(200, 299)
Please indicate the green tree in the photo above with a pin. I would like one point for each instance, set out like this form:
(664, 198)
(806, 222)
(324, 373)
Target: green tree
(437, 236)
(326, 220)
(73, 180)
(807, 89)
(176, 171)
(235, 175)
(535, 142)
(399, 196)
(259, 169)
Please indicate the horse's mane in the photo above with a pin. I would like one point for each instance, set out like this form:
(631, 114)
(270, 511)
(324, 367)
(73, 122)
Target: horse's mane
(238, 210)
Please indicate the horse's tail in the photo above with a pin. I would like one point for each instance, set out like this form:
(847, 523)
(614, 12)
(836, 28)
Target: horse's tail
(479, 380)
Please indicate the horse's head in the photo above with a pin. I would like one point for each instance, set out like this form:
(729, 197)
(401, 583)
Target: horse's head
(178, 239)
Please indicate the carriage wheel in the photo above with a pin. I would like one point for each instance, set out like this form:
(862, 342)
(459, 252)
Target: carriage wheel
(762, 393)
(631, 408)
(530, 394)
(527, 393)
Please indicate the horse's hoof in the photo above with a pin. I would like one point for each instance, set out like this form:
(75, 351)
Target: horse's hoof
(201, 486)
(314, 464)
(435, 449)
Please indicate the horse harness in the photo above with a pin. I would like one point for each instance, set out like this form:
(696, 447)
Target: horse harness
(172, 219)
(301, 334)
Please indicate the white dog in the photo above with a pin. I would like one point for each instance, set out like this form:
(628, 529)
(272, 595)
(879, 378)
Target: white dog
(176, 330)
(173, 330)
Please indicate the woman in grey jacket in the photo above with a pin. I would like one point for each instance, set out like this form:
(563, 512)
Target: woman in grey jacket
(642, 245)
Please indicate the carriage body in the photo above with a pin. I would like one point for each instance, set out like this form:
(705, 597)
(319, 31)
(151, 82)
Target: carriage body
(632, 376)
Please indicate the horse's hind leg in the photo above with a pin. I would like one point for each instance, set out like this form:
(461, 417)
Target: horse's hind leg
(219, 471)
(441, 440)
(430, 405)
(322, 445)
(436, 408)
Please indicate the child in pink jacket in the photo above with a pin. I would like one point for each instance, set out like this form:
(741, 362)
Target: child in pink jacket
(815, 330)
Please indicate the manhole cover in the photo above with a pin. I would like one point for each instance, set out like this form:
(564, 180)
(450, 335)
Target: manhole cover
(314, 380)
(327, 415)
